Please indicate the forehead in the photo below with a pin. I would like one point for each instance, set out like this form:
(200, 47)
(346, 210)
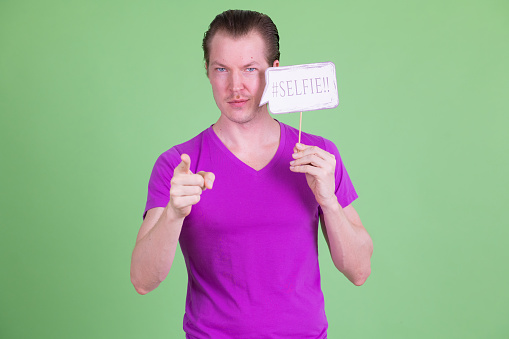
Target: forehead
(226, 49)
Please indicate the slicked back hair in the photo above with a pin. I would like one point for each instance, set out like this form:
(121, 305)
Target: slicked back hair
(238, 23)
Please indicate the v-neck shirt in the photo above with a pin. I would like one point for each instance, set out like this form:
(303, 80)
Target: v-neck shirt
(251, 243)
(241, 165)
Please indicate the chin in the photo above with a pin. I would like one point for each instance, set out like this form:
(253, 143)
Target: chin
(239, 117)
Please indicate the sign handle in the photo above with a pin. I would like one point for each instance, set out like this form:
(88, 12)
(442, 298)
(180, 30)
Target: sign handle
(300, 125)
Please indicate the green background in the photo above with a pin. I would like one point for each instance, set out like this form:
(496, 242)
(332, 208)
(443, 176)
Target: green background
(91, 92)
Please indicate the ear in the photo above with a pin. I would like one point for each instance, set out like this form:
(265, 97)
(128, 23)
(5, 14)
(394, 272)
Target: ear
(207, 69)
(275, 63)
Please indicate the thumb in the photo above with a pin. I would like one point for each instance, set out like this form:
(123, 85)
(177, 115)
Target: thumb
(184, 166)
(208, 178)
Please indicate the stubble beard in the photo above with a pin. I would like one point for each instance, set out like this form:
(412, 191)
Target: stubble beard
(245, 117)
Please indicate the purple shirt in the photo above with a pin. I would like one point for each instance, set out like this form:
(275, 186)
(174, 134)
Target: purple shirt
(251, 243)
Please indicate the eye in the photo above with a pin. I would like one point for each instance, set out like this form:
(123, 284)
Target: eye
(221, 69)
(251, 69)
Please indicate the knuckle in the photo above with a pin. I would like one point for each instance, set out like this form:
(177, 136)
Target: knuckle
(173, 191)
(176, 203)
(176, 180)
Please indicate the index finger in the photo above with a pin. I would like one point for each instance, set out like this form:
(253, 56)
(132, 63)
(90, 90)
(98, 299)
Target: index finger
(301, 150)
(299, 147)
(208, 178)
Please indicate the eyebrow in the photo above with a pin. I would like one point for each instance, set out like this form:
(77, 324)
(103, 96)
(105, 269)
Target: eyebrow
(252, 63)
(218, 64)
(215, 63)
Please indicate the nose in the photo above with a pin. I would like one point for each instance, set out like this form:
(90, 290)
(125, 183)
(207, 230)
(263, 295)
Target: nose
(236, 83)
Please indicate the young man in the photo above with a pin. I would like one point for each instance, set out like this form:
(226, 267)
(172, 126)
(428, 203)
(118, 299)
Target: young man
(244, 200)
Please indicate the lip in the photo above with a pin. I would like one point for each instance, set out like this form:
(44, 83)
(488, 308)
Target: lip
(238, 102)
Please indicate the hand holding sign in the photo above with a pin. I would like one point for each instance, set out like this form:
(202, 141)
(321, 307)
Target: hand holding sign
(300, 88)
(319, 167)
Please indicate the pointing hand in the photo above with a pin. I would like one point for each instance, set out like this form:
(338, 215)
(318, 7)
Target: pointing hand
(186, 187)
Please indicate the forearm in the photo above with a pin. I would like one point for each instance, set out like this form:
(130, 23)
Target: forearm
(349, 243)
(153, 254)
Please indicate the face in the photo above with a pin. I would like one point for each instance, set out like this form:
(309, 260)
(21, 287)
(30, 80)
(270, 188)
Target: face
(236, 72)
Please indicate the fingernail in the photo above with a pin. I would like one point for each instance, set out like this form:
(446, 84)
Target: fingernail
(300, 146)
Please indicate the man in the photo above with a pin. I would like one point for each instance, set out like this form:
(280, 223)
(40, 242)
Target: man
(244, 199)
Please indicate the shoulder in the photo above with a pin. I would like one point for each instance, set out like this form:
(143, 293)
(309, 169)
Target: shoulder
(192, 147)
(193, 144)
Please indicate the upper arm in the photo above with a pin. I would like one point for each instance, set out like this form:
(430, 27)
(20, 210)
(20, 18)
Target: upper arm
(149, 222)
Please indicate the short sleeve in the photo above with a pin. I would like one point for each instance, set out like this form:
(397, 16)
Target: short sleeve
(345, 191)
(160, 180)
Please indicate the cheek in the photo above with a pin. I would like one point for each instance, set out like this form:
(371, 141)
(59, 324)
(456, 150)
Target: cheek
(254, 83)
(260, 83)
(217, 86)
(261, 77)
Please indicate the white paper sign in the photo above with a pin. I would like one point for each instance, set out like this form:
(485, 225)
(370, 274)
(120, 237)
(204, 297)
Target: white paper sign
(300, 88)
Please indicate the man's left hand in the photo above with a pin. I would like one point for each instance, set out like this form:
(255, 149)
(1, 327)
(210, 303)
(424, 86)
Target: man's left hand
(319, 167)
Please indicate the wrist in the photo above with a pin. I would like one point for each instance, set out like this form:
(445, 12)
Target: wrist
(172, 215)
(331, 205)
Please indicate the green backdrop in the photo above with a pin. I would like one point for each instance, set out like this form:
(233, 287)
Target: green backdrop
(91, 92)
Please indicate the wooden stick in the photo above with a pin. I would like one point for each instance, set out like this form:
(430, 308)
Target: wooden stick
(300, 125)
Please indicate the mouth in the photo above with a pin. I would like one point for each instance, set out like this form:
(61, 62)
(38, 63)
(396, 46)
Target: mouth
(238, 102)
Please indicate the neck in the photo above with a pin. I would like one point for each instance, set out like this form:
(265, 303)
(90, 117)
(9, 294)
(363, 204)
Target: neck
(261, 131)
